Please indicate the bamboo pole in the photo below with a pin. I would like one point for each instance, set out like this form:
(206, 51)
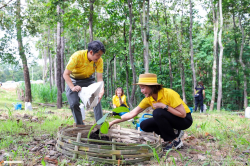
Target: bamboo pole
(75, 156)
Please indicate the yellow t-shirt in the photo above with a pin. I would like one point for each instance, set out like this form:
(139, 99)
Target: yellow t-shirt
(81, 67)
(116, 100)
(165, 96)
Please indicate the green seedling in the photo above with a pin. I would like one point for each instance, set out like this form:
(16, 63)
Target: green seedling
(104, 124)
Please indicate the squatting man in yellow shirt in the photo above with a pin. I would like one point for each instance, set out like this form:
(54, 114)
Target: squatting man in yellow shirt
(170, 116)
(79, 73)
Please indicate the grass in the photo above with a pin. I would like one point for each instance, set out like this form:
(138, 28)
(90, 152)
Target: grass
(215, 138)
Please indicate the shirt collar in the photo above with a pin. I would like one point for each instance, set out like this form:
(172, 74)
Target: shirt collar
(159, 97)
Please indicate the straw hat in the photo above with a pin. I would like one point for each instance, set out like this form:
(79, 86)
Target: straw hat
(147, 79)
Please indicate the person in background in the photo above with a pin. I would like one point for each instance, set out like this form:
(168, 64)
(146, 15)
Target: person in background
(79, 73)
(199, 96)
(119, 99)
(170, 116)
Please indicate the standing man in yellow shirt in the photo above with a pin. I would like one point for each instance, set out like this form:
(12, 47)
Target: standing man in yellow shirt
(79, 73)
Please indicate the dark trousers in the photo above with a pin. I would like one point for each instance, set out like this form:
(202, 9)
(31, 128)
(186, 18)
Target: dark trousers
(163, 123)
(198, 101)
(74, 99)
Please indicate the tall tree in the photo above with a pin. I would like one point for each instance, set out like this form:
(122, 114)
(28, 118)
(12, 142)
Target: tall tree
(58, 55)
(91, 13)
(220, 59)
(215, 23)
(168, 47)
(241, 61)
(145, 34)
(191, 43)
(131, 55)
(28, 97)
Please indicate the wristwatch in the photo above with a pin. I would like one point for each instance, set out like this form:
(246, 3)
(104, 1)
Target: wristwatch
(166, 108)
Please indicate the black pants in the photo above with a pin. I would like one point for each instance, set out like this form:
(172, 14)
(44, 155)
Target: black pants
(198, 101)
(163, 123)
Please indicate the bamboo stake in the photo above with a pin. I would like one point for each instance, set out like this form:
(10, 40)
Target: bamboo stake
(113, 148)
(74, 125)
(75, 156)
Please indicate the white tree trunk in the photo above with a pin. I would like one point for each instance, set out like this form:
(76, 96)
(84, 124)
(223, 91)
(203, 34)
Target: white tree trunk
(215, 21)
(115, 68)
(220, 60)
(242, 63)
(191, 44)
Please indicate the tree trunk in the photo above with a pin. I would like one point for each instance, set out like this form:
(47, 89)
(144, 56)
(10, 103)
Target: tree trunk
(58, 55)
(130, 55)
(241, 62)
(62, 56)
(115, 68)
(28, 97)
(55, 70)
(108, 78)
(50, 60)
(126, 62)
(85, 41)
(145, 37)
(111, 77)
(169, 54)
(215, 21)
(191, 44)
(179, 40)
(91, 7)
(45, 65)
(220, 60)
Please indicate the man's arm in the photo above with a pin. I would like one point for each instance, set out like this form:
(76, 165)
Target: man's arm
(66, 76)
(99, 78)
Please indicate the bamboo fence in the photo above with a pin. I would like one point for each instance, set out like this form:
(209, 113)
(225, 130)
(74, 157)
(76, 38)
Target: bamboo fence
(126, 146)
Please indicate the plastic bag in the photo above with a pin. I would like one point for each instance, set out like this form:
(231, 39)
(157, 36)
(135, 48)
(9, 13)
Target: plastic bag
(28, 106)
(82, 111)
(90, 95)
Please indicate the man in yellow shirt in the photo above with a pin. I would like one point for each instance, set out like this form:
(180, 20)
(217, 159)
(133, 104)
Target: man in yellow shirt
(79, 73)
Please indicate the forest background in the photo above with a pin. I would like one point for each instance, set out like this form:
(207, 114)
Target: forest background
(168, 38)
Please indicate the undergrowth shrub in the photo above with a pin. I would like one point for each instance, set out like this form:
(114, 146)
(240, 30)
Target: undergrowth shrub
(43, 93)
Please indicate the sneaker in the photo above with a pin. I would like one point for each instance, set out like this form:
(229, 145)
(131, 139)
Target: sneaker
(175, 144)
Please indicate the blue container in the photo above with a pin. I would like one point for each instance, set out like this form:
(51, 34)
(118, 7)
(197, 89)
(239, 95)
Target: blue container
(142, 119)
(191, 109)
(18, 106)
(122, 113)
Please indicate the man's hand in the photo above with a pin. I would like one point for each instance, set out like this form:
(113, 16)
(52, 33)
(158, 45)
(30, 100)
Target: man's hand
(159, 105)
(76, 88)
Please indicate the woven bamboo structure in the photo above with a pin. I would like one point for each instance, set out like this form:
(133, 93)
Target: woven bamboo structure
(125, 148)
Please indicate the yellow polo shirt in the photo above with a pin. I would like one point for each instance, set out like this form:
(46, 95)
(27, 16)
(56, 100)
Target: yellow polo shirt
(81, 67)
(165, 96)
(116, 100)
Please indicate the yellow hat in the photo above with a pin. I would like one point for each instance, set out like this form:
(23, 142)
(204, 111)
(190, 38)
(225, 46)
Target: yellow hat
(147, 79)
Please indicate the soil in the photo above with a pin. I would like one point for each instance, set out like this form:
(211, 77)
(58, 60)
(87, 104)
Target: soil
(94, 135)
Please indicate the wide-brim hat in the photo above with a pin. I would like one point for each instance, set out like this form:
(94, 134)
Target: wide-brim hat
(147, 79)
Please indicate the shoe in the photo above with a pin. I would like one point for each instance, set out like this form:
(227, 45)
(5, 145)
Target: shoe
(174, 145)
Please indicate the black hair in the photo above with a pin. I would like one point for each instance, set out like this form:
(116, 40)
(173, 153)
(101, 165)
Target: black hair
(96, 46)
(155, 88)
